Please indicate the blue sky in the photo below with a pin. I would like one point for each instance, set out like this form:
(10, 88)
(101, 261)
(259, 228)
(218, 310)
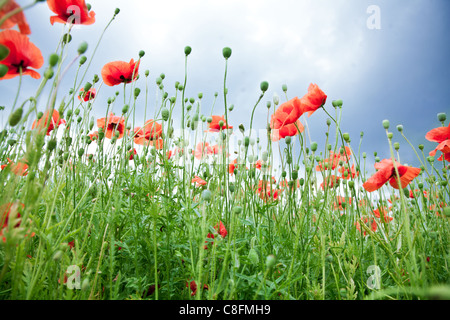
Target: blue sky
(400, 72)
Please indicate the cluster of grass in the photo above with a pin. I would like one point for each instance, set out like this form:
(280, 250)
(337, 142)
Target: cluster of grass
(86, 222)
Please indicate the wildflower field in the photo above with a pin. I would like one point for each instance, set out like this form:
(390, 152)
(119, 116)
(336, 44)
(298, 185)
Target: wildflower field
(184, 205)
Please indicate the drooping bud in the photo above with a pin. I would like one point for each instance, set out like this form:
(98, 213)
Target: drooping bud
(226, 52)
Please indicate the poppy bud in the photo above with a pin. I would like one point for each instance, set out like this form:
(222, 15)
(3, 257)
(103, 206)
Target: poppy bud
(314, 146)
(271, 260)
(237, 210)
(15, 117)
(337, 103)
(48, 74)
(288, 140)
(421, 146)
(82, 48)
(80, 152)
(125, 109)
(200, 95)
(242, 128)
(265, 156)
(269, 104)
(396, 146)
(67, 38)
(361, 134)
(141, 53)
(231, 108)
(180, 87)
(3, 70)
(187, 50)
(386, 124)
(400, 128)
(264, 86)
(53, 60)
(83, 60)
(294, 175)
(51, 145)
(346, 137)
(206, 195)
(116, 12)
(96, 78)
(441, 116)
(390, 135)
(4, 52)
(88, 6)
(226, 52)
(137, 91)
(329, 147)
(328, 122)
(165, 114)
(87, 86)
(284, 87)
(377, 159)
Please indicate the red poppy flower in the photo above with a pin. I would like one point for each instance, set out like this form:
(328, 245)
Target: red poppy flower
(439, 134)
(199, 181)
(214, 126)
(386, 172)
(290, 130)
(132, 153)
(23, 55)
(266, 191)
(19, 169)
(330, 182)
(287, 113)
(444, 147)
(117, 72)
(313, 100)
(149, 135)
(193, 286)
(71, 11)
(339, 201)
(93, 136)
(348, 173)
(369, 222)
(6, 211)
(222, 231)
(86, 96)
(111, 124)
(17, 19)
(202, 150)
(43, 122)
(382, 212)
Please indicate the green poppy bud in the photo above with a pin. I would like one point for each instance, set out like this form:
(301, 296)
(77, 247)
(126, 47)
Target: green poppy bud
(53, 60)
(284, 87)
(187, 50)
(337, 103)
(264, 86)
(253, 256)
(226, 52)
(82, 48)
(51, 145)
(314, 146)
(396, 146)
(346, 137)
(141, 53)
(441, 116)
(400, 128)
(83, 60)
(116, 12)
(15, 117)
(4, 52)
(48, 73)
(125, 109)
(386, 124)
(271, 260)
(288, 140)
(390, 135)
(206, 195)
(3, 70)
(80, 152)
(67, 38)
(165, 114)
(137, 91)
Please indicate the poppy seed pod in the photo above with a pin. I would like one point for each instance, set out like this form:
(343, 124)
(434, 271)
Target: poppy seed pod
(442, 117)
(4, 52)
(48, 74)
(53, 60)
(206, 195)
(346, 137)
(337, 103)
(264, 86)
(15, 117)
(83, 60)
(271, 260)
(226, 52)
(3, 70)
(82, 48)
